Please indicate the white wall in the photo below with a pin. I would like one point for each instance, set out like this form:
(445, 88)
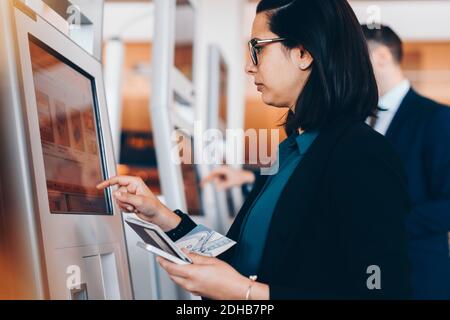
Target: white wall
(427, 20)
(134, 22)
(413, 20)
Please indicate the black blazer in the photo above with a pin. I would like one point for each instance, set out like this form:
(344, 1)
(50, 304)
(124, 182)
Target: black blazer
(420, 133)
(342, 211)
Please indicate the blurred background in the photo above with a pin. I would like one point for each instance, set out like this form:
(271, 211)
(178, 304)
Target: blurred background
(424, 27)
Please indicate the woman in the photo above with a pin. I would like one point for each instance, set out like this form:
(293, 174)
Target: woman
(330, 223)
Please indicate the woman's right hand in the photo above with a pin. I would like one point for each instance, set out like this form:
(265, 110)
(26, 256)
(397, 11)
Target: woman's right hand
(134, 196)
(225, 177)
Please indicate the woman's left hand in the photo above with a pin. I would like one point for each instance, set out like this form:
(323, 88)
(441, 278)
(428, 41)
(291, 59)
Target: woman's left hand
(207, 277)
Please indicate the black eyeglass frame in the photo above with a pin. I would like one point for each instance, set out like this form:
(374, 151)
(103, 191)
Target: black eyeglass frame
(255, 44)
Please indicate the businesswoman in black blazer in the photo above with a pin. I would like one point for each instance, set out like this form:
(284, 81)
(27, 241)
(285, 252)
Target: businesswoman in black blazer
(330, 223)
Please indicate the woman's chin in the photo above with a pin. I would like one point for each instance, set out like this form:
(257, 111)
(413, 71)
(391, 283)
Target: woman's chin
(271, 102)
(267, 99)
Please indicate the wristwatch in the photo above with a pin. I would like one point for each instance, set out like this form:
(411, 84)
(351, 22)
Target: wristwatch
(186, 225)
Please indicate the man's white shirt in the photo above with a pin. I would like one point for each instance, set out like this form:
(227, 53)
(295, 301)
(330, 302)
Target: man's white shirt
(391, 101)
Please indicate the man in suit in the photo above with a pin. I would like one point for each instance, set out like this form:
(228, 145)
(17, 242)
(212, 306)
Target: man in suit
(419, 129)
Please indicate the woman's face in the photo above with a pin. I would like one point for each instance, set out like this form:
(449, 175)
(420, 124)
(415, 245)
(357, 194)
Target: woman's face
(281, 73)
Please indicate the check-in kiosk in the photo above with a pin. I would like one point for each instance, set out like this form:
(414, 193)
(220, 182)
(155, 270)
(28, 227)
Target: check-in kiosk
(61, 145)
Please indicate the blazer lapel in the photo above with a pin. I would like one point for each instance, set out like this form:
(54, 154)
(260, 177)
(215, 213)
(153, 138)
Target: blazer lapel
(401, 115)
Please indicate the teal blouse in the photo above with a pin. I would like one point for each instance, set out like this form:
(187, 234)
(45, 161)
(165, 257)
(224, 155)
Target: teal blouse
(255, 227)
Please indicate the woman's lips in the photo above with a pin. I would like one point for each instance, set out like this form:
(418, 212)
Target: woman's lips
(259, 87)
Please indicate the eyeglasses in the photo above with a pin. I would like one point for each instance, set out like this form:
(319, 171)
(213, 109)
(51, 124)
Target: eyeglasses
(255, 46)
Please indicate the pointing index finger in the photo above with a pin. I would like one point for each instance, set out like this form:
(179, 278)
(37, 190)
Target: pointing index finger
(121, 181)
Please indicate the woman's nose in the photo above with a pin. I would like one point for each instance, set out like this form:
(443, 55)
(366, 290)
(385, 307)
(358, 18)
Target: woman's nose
(250, 68)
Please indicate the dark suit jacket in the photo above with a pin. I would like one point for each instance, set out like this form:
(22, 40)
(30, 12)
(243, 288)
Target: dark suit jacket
(420, 132)
(342, 211)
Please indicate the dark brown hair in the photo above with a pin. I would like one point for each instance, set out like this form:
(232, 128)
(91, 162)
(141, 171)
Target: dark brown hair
(342, 81)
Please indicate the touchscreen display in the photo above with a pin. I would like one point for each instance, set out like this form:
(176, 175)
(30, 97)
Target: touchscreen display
(68, 119)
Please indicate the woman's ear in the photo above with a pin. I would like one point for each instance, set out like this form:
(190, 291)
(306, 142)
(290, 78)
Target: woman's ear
(302, 58)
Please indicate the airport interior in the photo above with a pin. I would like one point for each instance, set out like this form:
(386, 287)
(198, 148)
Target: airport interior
(92, 89)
